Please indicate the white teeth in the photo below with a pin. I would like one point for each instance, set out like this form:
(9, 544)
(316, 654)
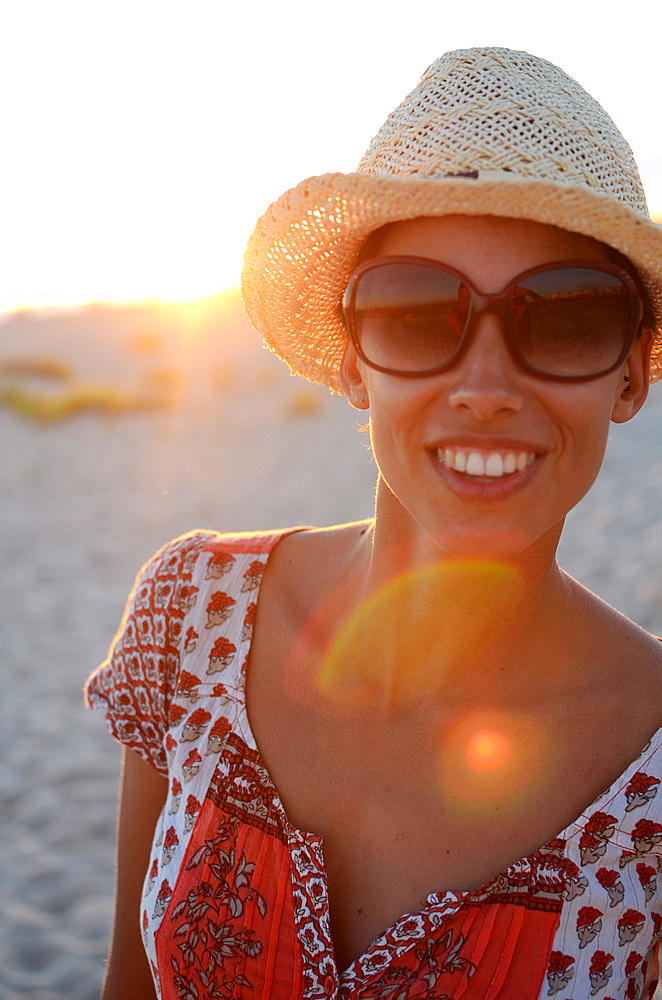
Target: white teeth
(460, 462)
(475, 464)
(494, 465)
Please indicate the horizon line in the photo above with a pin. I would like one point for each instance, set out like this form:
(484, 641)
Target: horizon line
(20, 306)
(71, 303)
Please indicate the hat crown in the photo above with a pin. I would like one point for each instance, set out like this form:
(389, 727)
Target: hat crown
(478, 111)
(519, 138)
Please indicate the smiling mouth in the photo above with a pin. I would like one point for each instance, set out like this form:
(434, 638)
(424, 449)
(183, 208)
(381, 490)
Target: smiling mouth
(486, 464)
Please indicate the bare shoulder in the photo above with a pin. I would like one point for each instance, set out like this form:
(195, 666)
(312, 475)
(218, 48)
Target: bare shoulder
(309, 561)
(626, 639)
(639, 664)
(313, 543)
(303, 570)
(629, 658)
(611, 702)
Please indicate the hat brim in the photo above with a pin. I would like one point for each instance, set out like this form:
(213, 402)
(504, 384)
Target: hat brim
(305, 246)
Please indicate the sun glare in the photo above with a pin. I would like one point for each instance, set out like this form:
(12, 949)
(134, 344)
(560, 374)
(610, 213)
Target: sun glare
(488, 750)
(491, 758)
(391, 652)
(143, 141)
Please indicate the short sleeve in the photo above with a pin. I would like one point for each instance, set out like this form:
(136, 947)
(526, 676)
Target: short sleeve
(136, 683)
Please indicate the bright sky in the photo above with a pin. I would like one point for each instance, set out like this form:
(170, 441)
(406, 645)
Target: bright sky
(141, 139)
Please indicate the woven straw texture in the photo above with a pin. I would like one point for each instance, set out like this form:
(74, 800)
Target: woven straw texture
(486, 132)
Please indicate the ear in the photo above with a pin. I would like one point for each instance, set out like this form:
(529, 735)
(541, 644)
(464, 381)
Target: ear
(635, 376)
(351, 379)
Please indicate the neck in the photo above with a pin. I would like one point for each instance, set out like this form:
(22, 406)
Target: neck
(424, 625)
(398, 542)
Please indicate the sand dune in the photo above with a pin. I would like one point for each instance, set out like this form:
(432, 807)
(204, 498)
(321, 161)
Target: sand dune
(83, 502)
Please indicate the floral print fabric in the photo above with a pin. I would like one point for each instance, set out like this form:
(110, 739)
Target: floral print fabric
(235, 901)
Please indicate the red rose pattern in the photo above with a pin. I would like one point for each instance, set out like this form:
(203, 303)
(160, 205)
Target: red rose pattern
(646, 835)
(219, 608)
(218, 565)
(221, 655)
(589, 924)
(195, 725)
(640, 790)
(593, 841)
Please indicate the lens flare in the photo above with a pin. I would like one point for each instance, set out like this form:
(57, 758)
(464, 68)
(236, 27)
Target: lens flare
(488, 750)
(402, 642)
(490, 759)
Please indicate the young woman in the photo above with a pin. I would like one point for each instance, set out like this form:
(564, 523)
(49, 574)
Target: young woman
(410, 757)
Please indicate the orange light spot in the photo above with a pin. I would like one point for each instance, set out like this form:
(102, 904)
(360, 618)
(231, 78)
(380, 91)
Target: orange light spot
(492, 758)
(487, 750)
(393, 651)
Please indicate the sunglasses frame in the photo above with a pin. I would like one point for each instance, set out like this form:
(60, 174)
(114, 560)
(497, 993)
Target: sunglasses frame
(496, 304)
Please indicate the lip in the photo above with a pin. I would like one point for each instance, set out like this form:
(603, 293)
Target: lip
(478, 443)
(486, 488)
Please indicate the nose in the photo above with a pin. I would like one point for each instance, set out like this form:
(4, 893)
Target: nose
(487, 381)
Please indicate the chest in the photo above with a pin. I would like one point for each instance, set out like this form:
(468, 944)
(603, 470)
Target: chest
(428, 801)
(407, 809)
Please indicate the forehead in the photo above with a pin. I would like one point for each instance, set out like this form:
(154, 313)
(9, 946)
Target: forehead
(486, 248)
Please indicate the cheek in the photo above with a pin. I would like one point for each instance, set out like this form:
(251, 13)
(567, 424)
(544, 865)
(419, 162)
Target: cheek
(587, 425)
(385, 447)
(388, 423)
(402, 424)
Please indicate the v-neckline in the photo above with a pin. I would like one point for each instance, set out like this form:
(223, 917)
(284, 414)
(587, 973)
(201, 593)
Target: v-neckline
(445, 900)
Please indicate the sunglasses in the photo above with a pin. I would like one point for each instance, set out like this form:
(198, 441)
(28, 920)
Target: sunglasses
(567, 321)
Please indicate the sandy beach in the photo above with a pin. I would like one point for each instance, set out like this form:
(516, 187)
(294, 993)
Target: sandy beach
(227, 440)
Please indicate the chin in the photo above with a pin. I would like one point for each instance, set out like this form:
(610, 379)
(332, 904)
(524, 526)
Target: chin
(496, 544)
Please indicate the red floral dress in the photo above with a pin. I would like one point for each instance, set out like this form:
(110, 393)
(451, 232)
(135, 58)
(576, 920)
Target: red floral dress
(235, 900)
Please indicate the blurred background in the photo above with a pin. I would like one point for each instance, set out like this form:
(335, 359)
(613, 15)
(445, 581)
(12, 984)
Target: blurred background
(141, 141)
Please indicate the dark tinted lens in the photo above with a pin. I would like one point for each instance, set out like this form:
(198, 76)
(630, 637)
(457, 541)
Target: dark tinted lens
(571, 321)
(409, 317)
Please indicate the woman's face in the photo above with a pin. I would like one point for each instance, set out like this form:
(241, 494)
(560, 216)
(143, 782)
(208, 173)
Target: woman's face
(423, 430)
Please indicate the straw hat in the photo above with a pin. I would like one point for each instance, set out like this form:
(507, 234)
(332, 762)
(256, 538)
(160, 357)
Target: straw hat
(487, 131)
